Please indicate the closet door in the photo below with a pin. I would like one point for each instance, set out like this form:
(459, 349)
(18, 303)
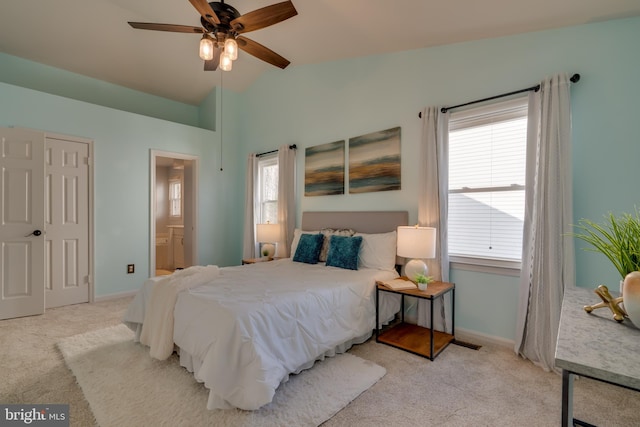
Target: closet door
(67, 252)
(21, 222)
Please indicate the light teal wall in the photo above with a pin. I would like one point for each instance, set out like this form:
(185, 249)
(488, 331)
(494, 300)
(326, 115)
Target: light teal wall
(486, 303)
(122, 144)
(29, 74)
(207, 111)
(316, 104)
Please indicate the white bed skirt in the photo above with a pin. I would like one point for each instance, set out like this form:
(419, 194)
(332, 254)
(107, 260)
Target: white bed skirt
(193, 364)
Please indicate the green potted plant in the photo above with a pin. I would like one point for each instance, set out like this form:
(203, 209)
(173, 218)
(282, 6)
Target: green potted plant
(422, 281)
(617, 238)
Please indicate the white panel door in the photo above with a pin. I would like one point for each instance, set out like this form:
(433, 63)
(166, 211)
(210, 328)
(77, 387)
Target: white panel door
(21, 222)
(67, 222)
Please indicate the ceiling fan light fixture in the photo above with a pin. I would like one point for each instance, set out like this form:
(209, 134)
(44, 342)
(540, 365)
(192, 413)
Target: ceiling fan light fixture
(206, 48)
(231, 48)
(226, 63)
(222, 23)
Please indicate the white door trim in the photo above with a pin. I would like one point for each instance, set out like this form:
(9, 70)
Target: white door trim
(90, 181)
(152, 204)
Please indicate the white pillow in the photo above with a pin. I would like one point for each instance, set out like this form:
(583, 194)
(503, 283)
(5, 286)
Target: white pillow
(296, 238)
(378, 250)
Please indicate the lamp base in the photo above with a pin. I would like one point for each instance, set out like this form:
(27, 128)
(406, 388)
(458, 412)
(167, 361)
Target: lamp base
(267, 250)
(415, 267)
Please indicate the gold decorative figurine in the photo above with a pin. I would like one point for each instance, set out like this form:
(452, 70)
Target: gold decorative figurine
(608, 301)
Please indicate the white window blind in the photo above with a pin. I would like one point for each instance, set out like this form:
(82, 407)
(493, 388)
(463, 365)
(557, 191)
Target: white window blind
(487, 153)
(267, 190)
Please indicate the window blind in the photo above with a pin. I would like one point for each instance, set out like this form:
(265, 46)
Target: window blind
(487, 153)
(268, 190)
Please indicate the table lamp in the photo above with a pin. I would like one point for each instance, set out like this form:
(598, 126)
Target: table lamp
(417, 243)
(268, 234)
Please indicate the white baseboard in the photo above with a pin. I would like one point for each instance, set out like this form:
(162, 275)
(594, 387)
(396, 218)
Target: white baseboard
(476, 337)
(115, 296)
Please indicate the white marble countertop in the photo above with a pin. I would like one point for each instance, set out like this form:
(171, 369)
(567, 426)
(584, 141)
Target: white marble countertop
(594, 344)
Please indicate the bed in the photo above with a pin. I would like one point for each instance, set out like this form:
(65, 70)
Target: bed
(243, 330)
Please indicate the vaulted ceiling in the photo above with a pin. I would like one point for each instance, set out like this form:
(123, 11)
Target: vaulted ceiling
(93, 38)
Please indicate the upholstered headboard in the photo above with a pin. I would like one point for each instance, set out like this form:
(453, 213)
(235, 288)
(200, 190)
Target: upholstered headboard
(360, 221)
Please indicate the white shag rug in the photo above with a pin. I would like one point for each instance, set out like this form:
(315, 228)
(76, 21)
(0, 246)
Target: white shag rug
(125, 386)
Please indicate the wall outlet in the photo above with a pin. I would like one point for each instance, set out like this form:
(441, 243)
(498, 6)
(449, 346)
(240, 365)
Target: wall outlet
(131, 268)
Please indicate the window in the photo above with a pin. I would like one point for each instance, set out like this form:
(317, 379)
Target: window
(175, 198)
(487, 158)
(267, 190)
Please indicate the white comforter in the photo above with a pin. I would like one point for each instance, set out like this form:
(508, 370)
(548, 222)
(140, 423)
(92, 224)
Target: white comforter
(244, 332)
(157, 328)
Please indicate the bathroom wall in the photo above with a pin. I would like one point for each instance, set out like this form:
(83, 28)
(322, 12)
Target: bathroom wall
(162, 199)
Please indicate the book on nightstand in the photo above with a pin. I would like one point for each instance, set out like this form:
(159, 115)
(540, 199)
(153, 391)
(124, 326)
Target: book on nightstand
(399, 284)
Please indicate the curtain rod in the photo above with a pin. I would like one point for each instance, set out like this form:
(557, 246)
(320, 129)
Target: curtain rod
(574, 79)
(291, 147)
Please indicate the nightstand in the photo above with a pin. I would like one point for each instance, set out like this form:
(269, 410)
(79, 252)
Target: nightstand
(425, 342)
(255, 260)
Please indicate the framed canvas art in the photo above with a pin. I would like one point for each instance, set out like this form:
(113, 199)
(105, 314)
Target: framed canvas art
(374, 162)
(324, 169)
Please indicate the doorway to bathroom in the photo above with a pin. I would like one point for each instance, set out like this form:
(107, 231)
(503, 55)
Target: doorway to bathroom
(173, 198)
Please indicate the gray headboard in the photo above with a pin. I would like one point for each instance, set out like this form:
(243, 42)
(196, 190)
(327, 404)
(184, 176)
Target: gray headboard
(360, 221)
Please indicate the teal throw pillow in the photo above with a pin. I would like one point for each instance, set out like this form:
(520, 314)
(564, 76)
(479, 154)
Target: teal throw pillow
(309, 247)
(343, 252)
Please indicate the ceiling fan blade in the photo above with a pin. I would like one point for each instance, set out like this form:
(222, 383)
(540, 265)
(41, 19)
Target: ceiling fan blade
(212, 64)
(261, 52)
(167, 27)
(264, 17)
(205, 10)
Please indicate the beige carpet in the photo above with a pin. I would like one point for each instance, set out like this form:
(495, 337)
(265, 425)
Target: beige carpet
(462, 387)
(126, 387)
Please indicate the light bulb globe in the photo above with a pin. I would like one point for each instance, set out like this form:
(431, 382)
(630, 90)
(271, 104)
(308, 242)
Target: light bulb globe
(206, 48)
(225, 62)
(231, 48)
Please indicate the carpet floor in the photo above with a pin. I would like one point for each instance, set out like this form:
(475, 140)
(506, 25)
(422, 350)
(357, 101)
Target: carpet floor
(462, 387)
(163, 393)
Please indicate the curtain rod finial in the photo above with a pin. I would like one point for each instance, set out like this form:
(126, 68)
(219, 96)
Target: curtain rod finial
(575, 78)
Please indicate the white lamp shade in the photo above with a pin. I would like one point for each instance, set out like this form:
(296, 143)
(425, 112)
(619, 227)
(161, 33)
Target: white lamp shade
(416, 242)
(268, 233)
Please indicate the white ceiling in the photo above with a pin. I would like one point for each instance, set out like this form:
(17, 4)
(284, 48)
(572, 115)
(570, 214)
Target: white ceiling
(93, 38)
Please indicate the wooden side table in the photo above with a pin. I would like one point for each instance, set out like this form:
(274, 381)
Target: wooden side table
(425, 342)
(255, 260)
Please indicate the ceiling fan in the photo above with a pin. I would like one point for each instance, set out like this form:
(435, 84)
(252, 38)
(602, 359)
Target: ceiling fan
(222, 29)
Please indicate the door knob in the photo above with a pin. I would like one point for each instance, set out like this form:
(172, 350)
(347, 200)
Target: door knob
(34, 233)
